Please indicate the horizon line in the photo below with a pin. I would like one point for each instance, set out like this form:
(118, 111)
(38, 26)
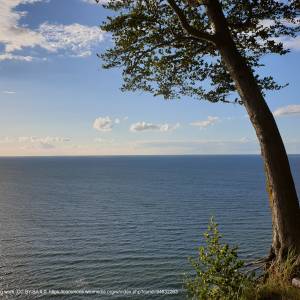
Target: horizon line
(135, 155)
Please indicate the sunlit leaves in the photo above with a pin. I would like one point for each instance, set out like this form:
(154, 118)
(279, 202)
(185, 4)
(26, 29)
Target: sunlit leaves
(157, 55)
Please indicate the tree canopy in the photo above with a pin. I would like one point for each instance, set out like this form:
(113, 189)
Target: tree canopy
(170, 48)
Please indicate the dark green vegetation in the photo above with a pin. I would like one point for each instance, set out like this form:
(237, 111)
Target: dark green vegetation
(220, 274)
(211, 50)
(218, 270)
(170, 48)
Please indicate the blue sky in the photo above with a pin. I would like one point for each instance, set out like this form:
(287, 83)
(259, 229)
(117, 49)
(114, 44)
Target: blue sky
(56, 100)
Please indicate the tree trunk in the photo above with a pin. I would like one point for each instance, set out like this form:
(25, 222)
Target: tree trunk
(280, 185)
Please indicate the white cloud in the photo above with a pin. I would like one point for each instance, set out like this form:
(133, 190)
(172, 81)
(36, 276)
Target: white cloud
(287, 110)
(50, 139)
(96, 2)
(9, 92)
(13, 35)
(291, 43)
(98, 140)
(44, 140)
(104, 141)
(170, 143)
(6, 140)
(143, 126)
(103, 124)
(46, 146)
(205, 123)
(117, 121)
(33, 142)
(244, 140)
(202, 146)
(43, 143)
(74, 39)
(168, 127)
(9, 56)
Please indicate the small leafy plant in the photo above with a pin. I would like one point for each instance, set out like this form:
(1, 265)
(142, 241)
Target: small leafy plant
(218, 270)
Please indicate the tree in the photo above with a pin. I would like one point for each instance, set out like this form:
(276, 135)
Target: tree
(211, 50)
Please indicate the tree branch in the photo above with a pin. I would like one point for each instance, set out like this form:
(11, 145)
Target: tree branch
(248, 22)
(192, 31)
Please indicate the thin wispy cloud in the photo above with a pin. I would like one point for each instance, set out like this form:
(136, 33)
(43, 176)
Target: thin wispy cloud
(206, 123)
(287, 110)
(201, 146)
(9, 56)
(46, 146)
(6, 140)
(164, 143)
(98, 140)
(104, 141)
(291, 43)
(34, 142)
(144, 126)
(9, 92)
(96, 1)
(45, 140)
(73, 39)
(42, 143)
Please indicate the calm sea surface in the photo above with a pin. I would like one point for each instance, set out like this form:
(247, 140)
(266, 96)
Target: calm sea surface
(119, 223)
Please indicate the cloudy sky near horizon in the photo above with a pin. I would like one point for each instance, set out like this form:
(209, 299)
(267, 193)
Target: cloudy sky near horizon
(56, 100)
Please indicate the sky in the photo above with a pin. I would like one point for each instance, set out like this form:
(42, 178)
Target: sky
(55, 99)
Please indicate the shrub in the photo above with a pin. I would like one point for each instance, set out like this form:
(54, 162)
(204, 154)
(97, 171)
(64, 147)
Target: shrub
(220, 275)
(218, 270)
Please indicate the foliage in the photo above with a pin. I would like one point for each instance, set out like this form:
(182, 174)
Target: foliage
(171, 56)
(278, 281)
(218, 270)
(220, 275)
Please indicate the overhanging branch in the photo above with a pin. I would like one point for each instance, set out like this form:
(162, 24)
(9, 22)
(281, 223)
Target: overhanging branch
(192, 31)
(249, 7)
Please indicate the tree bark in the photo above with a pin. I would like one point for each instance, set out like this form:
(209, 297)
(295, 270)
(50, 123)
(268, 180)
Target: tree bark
(280, 185)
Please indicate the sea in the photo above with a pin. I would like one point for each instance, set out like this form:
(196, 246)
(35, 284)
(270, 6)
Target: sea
(124, 227)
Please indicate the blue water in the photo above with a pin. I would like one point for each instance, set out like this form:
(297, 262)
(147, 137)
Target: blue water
(124, 222)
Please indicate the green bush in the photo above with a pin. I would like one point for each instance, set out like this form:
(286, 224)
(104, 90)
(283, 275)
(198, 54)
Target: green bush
(218, 271)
